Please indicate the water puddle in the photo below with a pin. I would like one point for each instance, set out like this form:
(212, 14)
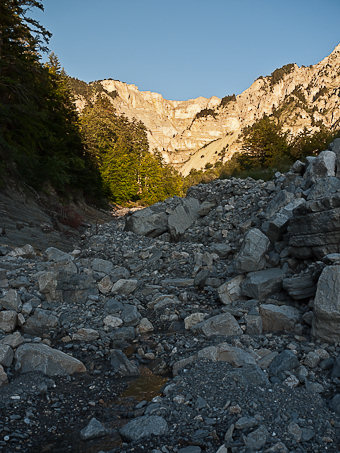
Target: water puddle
(145, 387)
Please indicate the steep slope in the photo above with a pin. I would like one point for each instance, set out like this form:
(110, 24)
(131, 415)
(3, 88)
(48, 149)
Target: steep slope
(193, 133)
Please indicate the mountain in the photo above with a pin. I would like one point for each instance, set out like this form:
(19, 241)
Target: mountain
(193, 133)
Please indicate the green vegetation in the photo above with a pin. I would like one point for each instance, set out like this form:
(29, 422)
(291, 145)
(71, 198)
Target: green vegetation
(45, 143)
(279, 73)
(204, 113)
(227, 99)
(120, 148)
(266, 149)
(39, 135)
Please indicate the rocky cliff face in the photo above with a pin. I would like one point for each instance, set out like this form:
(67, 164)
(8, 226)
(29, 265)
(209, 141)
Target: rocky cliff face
(192, 133)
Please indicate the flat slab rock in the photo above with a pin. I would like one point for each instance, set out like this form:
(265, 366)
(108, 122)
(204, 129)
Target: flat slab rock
(51, 362)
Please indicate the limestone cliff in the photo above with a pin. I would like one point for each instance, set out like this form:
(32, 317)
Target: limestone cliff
(198, 131)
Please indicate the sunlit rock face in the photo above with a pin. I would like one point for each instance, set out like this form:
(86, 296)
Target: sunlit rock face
(192, 133)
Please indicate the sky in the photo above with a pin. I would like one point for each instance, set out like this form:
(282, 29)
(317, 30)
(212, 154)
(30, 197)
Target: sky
(188, 48)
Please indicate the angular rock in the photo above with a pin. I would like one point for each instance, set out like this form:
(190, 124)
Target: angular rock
(93, 430)
(321, 166)
(257, 439)
(326, 321)
(42, 321)
(146, 222)
(121, 365)
(278, 318)
(13, 340)
(230, 291)
(300, 287)
(27, 251)
(85, 335)
(285, 361)
(193, 319)
(48, 284)
(253, 323)
(224, 352)
(54, 254)
(8, 320)
(112, 321)
(224, 324)
(183, 217)
(100, 265)
(260, 284)
(3, 376)
(6, 355)
(144, 426)
(251, 255)
(52, 362)
(105, 285)
(145, 326)
(124, 287)
(11, 300)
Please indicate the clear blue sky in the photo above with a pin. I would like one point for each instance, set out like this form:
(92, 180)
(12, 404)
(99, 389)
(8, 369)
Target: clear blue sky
(188, 48)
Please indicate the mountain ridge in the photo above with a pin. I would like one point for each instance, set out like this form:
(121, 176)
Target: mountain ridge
(193, 133)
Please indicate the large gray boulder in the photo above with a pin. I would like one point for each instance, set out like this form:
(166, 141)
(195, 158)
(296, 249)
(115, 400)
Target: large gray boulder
(146, 222)
(52, 362)
(326, 322)
(251, 255)
(224, 352)
(144, 426)
(314, 230)
(260, 284)
(321, 166)
(278, 318)
(183, 216)
(300, 286)
(230, 291)
(224, 324)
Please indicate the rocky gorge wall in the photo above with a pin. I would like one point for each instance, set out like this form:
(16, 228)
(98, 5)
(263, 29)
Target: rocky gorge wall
(196, 132)
(232, 294)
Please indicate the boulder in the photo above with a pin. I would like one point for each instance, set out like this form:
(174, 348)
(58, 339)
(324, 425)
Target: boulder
(224, 324)
(326, 321)
(93, 430)
(3, 376)
(230, 291)
(121, 365)
(314, 230)
(251, 255)
(300, 286)
(8, 320)
(145, 426)
(260, 284)
(42, 321)
(321, 166)
(11, 300)
(285, 361)
(183, 216)
(6, 355)
(146, 222)
(100, 265)
(278, 318)
(52, 362)
(224, 352)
